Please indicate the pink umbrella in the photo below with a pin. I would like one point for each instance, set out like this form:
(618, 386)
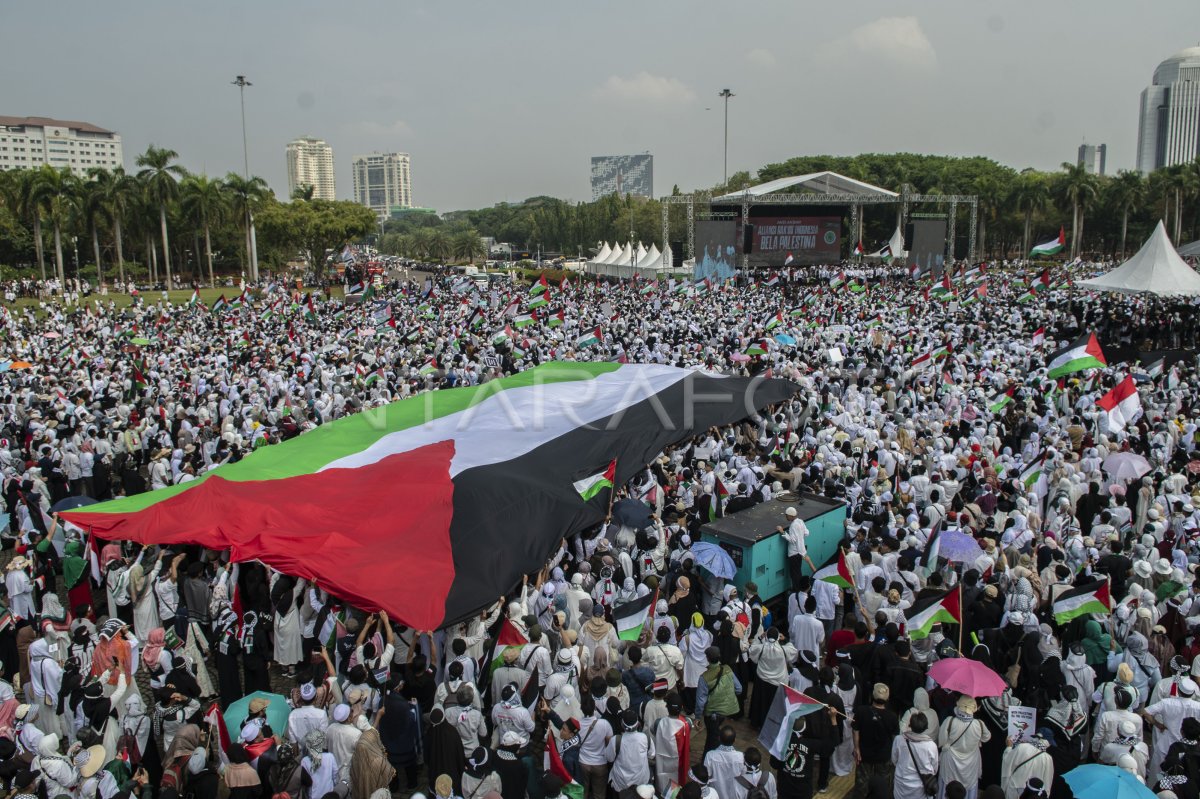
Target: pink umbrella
(966, 676)
(739, 357)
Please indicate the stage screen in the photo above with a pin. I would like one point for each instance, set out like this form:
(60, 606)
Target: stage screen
(928, 248)
(716, 250)
(809, 240)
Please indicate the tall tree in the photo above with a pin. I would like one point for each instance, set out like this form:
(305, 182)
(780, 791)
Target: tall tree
(205, 201)
(467, 244)
(1078, 188)
(1030, 194)
(161, 178)
(119, 192)
(245, 197)
(27, 207)
(55, 192)
(95, 211)
(1126, 191)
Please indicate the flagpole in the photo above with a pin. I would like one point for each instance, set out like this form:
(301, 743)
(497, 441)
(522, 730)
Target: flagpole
(612, 493)
(962, 615)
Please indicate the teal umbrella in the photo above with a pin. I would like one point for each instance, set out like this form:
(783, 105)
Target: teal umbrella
(277, 713)
(1094, 781)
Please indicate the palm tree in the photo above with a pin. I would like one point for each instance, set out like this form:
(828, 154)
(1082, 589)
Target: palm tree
(54, 192)
(1078, 187)
(244, 196)
(1126, 191)
(304, 192)
(466, 244)
(1176, 182)
(422, 239)
(95, 209)
(118, 191)
(1030, 194)
(204, 200)
(160, 176)
(17, 195)
(438, 245)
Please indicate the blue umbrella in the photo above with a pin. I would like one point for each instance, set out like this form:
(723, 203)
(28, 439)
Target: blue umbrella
(277, 713)
(1094, 781)
(784, 338)
(714, 559)
(958, 547)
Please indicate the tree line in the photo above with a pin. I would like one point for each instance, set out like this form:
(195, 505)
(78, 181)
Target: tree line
(1104, 216)
(163, 223)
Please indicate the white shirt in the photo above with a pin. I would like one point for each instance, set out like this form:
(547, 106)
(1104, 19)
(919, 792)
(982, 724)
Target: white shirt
(796, 535)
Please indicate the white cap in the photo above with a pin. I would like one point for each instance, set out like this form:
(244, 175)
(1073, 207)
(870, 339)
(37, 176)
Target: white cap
(790, 513)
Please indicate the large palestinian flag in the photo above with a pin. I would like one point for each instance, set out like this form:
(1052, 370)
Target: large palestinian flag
(1052, 247)
(1083, 353)
(433, 506)
(789, 705)
(1083, 599)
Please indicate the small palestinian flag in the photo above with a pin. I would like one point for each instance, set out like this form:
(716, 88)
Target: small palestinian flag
(933, 546)
(1084, 353)
(556, 319)
(788, 706)
(195, 300)
(1154, 369)
(1031, 473)
(773, 280)
(858, 249)
(1082, 600)
(1039, 337)
(538, 300)
(715, 508)
(524, 320)
(773, 321)
(630, 617)
(552, 762)
(219, 303)
(237, 302)
(592, 485)
(508, 636)
(837, 280)
(788, 260)
(429, 367)
(885, 252)
(938, 609)
(1052, 247)
(977, 295)
(589, 339)
(540, 287)
(836, 571)
(1002, 399)
(944, 290)
(310, 310)
(649, 288)
(369, 292)
(756, 348)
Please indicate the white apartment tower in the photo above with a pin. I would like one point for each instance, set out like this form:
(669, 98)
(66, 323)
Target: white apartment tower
(310, 163)
(1169, 123)
(382, 181)
(29, 142)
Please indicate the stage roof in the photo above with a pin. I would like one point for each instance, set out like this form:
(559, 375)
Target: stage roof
(814, 183)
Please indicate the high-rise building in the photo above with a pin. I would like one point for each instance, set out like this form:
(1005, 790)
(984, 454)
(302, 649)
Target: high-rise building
(310, 163)
(382, 181)
(1092, 156)
(32, 141)
(1169, 124)
(622, 174)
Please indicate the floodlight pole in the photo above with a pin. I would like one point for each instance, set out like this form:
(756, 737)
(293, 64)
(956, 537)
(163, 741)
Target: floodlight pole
(252, 243)
(725, 93)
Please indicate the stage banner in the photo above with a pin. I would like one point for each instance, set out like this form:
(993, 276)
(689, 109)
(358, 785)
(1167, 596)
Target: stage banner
(807, 239)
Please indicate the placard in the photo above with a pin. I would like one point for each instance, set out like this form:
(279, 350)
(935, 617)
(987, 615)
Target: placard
(1022, 723)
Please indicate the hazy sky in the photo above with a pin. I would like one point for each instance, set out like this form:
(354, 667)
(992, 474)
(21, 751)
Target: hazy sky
(503, 100)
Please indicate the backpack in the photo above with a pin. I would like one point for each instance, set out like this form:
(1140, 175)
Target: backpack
(755, 790)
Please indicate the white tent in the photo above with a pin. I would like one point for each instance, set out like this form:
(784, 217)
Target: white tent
(1155, 269)
(651, 259)
(621, 257)
(640, 254)
(605, 251)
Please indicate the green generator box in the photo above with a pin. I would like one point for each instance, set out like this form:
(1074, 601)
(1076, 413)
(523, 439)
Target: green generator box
(759, 551)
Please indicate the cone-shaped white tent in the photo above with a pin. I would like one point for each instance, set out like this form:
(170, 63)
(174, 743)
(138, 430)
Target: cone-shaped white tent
(651, 259)
(1155, 269)
(605, 251)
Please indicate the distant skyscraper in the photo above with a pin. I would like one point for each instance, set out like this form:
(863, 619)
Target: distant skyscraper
(382, 181)
(310, 163)
(1092, 156)
(1169, 124)
(29, 142)
(622, 174)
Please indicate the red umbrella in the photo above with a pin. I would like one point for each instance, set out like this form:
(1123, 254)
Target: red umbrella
(966, 676)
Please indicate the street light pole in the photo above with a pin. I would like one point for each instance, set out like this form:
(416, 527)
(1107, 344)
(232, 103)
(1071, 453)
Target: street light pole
(725, 93)
(252, 243)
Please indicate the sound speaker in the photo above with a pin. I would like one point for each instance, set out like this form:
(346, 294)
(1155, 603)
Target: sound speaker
(747, 239)
(908, 237)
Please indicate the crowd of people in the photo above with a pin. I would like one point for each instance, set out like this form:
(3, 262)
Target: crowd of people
(122, 663)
